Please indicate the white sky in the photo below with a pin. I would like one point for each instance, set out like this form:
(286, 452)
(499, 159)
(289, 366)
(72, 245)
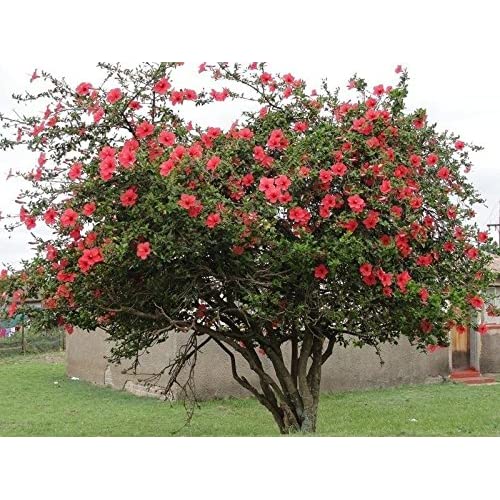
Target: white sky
(448, 50)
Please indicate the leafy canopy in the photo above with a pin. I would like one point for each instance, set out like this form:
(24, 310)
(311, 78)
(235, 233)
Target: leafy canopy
(350, 220)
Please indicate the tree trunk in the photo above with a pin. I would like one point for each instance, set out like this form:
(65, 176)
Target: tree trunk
(291, 394)
(307, 425)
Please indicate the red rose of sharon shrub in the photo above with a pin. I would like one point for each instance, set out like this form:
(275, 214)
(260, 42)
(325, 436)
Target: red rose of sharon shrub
(312, 222)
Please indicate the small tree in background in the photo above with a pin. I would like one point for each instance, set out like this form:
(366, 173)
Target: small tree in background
(311, 223)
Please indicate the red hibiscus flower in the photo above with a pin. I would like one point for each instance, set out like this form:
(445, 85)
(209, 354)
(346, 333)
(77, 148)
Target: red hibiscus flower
(385, 187)
(144, 129)
(69, 218)
(84, 89)
(321, 272)
(277, 140)
(356, 203)
(339, 169)
(476, 302)
(443, 173)
(162, 86)
(166, 167)
(300, 127)
(213, 163)
(482, 329)
(372, 220)
(350, 225)
(89, 209)
(213, 220)
(187, 201)
(114, 95)
(143, 250)
(299, 215)
(75, 171)
(366, 269)
(166, 138)
(50, 216)
(402, 280)
(424, 295)
(129, 198)
(482, 236)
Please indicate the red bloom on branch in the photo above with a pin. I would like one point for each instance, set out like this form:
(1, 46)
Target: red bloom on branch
(75, 171)
(385, 187)
(213, 220)
(415, 160)
(273, 194)
(425, 326)
(129, 198)
(476, 302)
(162, 86)
(350, 225)
(299, 215)
(84, 89)
(378, 90)
(126, 157)
(459, 145)
(443, 173)
(300, 127)
(166, 138)
(246, 134)
(402, 280)
(366, 269)
(90, 258)
(143, 250)
(177, 97)
(187, 201)
(356, 203)
(321, 272)
(107, 168)
(266, 183)
(166, 167)
(472, 253)
(50, 216)
(339, 169)
(372, 220)
(432, 159)
(282, 182)
(277, 140)
(424, 260)
(89, 209)
(384, 278)
(482, 236)
(69, 218)
(213, 163)
(144, 129)
(114, 95)
(424, 295)
(482, 329)
(325, 176)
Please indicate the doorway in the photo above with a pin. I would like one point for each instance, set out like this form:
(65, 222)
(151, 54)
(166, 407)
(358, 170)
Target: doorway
(460, 349)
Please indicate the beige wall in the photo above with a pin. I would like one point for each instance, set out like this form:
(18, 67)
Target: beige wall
(348, 368)
(490, 351)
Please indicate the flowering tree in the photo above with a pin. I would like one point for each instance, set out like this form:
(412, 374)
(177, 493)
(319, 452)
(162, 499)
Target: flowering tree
(311, 223)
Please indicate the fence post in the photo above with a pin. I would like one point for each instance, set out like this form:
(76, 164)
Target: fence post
(23, 340)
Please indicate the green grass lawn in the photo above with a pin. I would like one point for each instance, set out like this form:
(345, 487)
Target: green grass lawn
(36, 399)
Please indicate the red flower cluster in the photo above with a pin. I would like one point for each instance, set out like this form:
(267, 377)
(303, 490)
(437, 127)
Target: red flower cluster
(90, 258)
(277, 140)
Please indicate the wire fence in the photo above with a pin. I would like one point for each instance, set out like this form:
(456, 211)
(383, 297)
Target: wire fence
(26, 341)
